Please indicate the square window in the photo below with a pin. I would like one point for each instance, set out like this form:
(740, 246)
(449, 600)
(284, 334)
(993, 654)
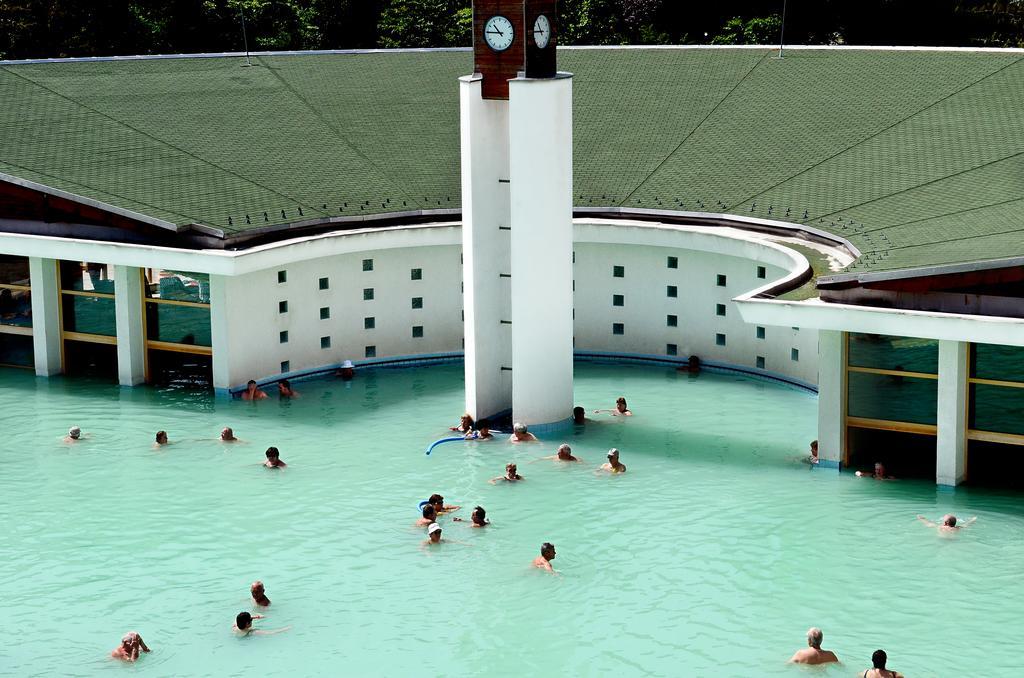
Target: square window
(796, 329)
(720, 340)
(618, 328)
(672, 320)
(325, 342)
(672, 291)
(673, 262)
(416, 274)
(367, 264)
(618, 271)
(286, 366)
(282, 307)
(720, 309)
(417, 331)
(325, 283)
(618, 300)
(325, 313)
(720, 280)
(370, 352)
(417, 302)
(794, 354)
(671, 349)
(761, 272)
(367, 294)
(369, 323)
(282, 337)
(282, 277)
(759, 332)
(760, 362)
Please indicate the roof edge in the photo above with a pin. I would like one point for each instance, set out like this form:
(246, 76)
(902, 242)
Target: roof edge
(922, 272)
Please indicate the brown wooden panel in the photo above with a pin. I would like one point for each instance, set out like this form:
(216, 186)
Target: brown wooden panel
(497, 68)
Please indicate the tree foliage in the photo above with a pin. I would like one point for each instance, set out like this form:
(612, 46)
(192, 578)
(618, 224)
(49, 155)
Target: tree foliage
(56, 28)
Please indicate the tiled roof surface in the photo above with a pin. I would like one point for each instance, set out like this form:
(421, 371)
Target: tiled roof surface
(916, 156)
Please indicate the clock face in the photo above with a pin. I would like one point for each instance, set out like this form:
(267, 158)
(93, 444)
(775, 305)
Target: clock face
(499, 33)
(542, 31)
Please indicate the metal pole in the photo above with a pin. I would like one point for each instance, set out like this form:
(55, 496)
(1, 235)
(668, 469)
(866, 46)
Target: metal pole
(245, 39)
(782, 33)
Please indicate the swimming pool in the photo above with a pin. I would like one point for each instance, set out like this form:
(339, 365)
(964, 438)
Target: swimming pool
(711, 556)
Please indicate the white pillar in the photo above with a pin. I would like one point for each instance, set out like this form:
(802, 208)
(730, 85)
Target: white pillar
(485, 250)
(128, 312)
(45, 316)
(831, 397)
(540, 133)
(220, 335)
(951, 440)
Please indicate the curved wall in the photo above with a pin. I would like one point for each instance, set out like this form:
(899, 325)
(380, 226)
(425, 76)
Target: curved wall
(415, 308)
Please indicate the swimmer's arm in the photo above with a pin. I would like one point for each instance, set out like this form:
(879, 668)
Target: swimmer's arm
(451, 508)
(926, 521)
(494, 481)
(261, 632)
(142, 644)
(969, 521)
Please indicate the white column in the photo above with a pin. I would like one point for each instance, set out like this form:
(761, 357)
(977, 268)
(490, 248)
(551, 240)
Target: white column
(220, 335)
(128, 312)
(485, 250)
(45, 315)
(951, 441)
(831, 397)
(540, 132)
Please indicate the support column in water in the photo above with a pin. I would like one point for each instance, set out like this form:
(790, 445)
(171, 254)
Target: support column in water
(540, 131)
(128, 314)
(46, 337)
(831, 397)
(950, 441)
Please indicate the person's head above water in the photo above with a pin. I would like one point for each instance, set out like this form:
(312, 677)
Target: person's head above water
(620, 404)
(519, 427)
(510, 470)
(878, 659)
(284, 387)
(161, 437)
(613, 455)
(578, 415)
(243, 620)
(466, 420)
(257, 590)
(227, 434)
(879, 468)
(429, 512)
(479, 515)
(251, 384)
(434, 532)
(273, 453)
(814, 448)
(547, 550)
(437, 500)
(814, 637)
(949, 520)
(74, 433)
(484, 426)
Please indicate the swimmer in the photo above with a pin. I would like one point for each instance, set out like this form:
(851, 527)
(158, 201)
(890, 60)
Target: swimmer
(227, 435)
(74, 435)
(439, 505)
(161, 439)
(813, 457)
(813, 654)
(429, 516)
(347, 371)
(433, 534)
(285, 390)
(547, 554)
(129, 648)
(243, 625)
(564, 454)
(620, 409)
(521, 435)
(579, 416)
(877, 474)
(482, 432)
(274, 458)
(478, 518)
(259, 594)
(878, 670)
(511, 475)
(613, 465)
(465, 424)
(253, 392)
(948, 523)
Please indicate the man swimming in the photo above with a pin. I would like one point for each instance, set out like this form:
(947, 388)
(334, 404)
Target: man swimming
(620, 409)
(564, 453)
(129, 648)
(579, 416)
(243, 625)
(285, 390)
(482, 432)
(613, 465)
(520, 434)
(813, 654)
(161, 439)
(547, 554)
(948, 523)
(478, 518)
(439, 505)
(259, 594)
(878, 670)
(253, 392)
(511, 475)
(227, 435)
(877, 474)
(274, 458)
(74, 435)
(429, 516)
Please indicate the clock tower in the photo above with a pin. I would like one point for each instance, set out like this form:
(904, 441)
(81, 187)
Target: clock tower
(516, 131)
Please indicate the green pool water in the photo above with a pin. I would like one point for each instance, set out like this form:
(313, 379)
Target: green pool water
(710, 557)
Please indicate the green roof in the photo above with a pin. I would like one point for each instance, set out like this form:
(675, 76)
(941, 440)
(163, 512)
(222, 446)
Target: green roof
(917, 157)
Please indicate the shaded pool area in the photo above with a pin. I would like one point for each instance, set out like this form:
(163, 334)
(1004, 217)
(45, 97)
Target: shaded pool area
(711, 556)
